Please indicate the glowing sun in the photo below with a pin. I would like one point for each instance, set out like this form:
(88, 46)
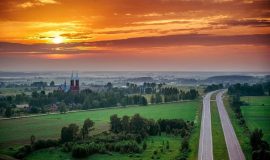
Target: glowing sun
(58, 40)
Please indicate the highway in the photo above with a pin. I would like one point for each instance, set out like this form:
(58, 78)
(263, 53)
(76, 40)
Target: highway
(234, 149)
(205, 145)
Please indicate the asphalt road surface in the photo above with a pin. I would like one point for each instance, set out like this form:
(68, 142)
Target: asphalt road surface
(234, 149)
(205, 145)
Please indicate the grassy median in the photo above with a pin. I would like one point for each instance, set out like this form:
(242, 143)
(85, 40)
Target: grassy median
(219, 145)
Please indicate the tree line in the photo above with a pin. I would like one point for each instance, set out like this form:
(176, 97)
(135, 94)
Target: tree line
(40, 102)
(174, 94)
(213, 87)
(260, 148)
(249, 90)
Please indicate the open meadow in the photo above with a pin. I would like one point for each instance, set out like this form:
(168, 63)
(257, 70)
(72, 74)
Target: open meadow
(257, 114)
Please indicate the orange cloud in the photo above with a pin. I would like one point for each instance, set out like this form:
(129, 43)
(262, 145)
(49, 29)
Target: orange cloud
(108, 34)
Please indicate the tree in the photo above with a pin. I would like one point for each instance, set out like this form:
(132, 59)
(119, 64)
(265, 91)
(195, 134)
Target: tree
(115, 123)
(143, 101)
(32, 139)
(79, 151)
(42, 93)
(193, 94)
(153, 99)
(87, 103)
(144, 145)
(256, 139)
(153, 127)
(261, 155)
(8, 112)
(125, 123)
(35, 94)
(138, 125)
(87, 127)
(158, 98)
(168, 129)
(62, 108)
(52, 84)
(167, 145)
(109, 85)
(185, 145)
(69, 133)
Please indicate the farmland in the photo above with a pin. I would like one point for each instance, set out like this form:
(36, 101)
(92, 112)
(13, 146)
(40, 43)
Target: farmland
(18, 131)
(257, 114)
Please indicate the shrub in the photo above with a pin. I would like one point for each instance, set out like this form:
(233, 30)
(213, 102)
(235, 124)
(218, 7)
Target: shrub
(40, 144)
(144, 145)
(167, 145)
(23, 152)
(67, 147)
(80, 151)
(185, 145)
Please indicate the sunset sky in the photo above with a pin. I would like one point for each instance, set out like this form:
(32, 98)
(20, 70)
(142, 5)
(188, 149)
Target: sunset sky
(135, 35)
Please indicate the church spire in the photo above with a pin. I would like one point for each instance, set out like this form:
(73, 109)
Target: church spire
(71, 76)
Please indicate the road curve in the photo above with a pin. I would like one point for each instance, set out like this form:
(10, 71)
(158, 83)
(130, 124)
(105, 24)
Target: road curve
(234, 149)
(205, 145)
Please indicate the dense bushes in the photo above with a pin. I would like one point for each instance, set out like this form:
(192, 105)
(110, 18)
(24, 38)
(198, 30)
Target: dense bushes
(127, 147)
(40, 144)
(260, 148)
(80, 151)
(23, 151)
(87, 149)
(84, 150)
(176, 127)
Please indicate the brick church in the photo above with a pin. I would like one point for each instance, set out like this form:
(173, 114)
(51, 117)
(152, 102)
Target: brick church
(74, 84)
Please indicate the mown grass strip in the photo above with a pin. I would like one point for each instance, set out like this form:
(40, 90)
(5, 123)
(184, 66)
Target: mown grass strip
(219, 145)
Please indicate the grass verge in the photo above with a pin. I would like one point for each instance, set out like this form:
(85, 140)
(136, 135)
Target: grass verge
(195, 136)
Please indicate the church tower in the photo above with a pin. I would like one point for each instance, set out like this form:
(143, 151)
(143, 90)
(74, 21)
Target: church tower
(77, 82)
(74, 83)
(71, 82)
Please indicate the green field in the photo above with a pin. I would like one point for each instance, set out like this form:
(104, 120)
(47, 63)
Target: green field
(257, 114)
(18, 131)
(219, 145)
(20, 90)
